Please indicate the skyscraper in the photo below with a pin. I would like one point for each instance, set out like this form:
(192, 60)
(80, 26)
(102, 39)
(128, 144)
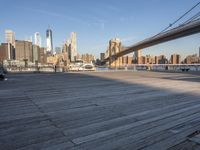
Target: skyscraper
(36, 50)
(37, 39)
(73, 47)
(49, 40)
(10, 37)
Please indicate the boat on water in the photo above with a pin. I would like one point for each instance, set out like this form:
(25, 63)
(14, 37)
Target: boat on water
(87, 67)
(82, 67)
(74, 67)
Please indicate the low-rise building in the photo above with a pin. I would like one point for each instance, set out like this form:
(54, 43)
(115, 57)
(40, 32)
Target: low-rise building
(192, 59)
(87, 58)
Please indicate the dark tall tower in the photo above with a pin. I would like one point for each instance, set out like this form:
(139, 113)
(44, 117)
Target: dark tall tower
(49, 40)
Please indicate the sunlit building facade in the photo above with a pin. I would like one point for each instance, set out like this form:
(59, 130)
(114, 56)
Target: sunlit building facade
(73, 47)
(37, 39)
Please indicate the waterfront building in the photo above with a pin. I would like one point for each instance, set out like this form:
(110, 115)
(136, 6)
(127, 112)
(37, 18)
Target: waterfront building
(37, 39)
(175, 59)
(149, 59)
(24, 50)
(49, 40)
(7, 52)
(161, 59)
(192, 59)
(127, 60)
(52, 60)
(42, 57)
(88, 58)
(60, 59)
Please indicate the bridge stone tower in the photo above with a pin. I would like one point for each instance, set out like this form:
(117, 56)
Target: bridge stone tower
(114, 48)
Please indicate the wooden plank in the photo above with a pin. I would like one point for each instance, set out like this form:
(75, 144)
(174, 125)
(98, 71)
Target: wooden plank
(24, 127)
(97, 110)
(195, 139)
(187, 145)
(117, 141)
(120, 121)
(129, 126)
(31, 136)
(54, 144)
(158, 137)
(176, 138)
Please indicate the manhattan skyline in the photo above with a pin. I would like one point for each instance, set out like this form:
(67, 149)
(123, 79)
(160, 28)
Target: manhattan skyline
(96, 22)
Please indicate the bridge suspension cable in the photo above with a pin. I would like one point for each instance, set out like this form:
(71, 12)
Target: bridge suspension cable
(189, 27)
(171, 24)
(195, 17)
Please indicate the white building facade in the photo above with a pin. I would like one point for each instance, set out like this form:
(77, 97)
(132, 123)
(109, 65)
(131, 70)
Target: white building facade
(37, 40)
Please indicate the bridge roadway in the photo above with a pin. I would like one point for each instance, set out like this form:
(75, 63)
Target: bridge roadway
(100, 111)
(181, 31)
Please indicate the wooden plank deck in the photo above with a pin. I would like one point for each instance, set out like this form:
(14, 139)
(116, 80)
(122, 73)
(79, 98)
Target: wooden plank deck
(100, 111)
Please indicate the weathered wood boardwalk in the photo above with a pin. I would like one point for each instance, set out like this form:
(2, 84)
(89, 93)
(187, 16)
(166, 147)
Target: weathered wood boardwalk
(100, 111)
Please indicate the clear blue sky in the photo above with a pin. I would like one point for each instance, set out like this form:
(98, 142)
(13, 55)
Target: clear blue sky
(97, 21)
